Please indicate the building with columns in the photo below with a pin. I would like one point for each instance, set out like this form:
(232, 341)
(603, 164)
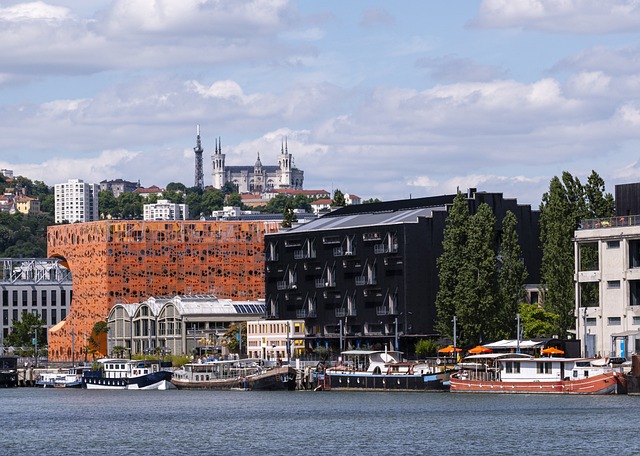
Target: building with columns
(257, 178)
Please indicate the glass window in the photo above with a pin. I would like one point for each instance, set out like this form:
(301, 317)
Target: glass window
(613, 244)
(590, 321)
(614, 321)
(636, 320)
(613, 284)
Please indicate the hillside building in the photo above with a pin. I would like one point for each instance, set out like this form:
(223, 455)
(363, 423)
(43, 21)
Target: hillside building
(257, 178)
(76, 201)
(119, 186)
(165, 210)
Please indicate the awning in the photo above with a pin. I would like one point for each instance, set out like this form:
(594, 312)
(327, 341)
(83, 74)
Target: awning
(508, 344)
(626, 333)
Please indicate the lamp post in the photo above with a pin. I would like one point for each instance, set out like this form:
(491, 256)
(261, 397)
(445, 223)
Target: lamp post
(518, 333)
(455, 335)
(396, 335)
(35, 343)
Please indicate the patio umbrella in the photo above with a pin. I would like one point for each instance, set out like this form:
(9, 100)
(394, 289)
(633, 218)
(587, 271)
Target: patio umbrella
(479, 349)
(551, 351)
(449, 349)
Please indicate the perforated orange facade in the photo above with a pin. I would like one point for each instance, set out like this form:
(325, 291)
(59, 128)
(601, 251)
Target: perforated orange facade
(130, 261)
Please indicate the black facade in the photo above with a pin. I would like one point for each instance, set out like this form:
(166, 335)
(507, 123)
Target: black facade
(370, 269)
(627, 199)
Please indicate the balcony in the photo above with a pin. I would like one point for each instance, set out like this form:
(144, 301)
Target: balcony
(286, 285)
(324, 283)
(305, 313)
(362, 280)
(341, 313)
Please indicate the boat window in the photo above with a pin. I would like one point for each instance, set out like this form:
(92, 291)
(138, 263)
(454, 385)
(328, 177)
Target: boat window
(544, 367)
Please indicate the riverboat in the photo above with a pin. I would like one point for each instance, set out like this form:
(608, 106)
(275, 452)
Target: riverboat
(243, 374)
(8, 371)
(383, 370)
(523, 373)
(69, 378)
(113, 373)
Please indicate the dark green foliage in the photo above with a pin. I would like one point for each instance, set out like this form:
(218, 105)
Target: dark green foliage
(512, 276)
(450, 264)
(560, 213)
(212, 200)
(176, 187)
(230, 187)
(23, 236)
(23, 331)
(535, 321)
(289, 217)
(338, 199)
(477, 287)
(234, 200)
(277, 204)
(426, 347)
(371, 200)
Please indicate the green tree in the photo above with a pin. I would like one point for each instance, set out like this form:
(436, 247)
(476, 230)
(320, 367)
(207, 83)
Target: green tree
(194, 202)
(560, 212)
(536, 322)
(450, 264)
(289, 217)
(231, 337)
(23, 331)
(599, 204)
(338, 199)
(98, 335)
(107, 204)
(173, 196)
(176, 187)
(371, 200)
(512, 274)
(426, 347)
(477, 287)
(277, 204)
(235, 200)
(301, 202)
(230, 187)
(212, 200)
(130, 205)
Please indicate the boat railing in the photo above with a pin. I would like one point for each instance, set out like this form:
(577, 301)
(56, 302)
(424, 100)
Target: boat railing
(484, 376)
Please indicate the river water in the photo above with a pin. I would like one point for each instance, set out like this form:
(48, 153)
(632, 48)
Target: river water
(65, 422)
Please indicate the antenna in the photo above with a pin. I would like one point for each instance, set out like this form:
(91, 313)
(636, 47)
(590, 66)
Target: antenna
(199, 174)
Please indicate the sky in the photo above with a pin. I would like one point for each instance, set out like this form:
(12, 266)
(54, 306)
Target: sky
(380, 99)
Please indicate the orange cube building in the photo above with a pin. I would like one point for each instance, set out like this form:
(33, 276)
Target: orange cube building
(130, 261)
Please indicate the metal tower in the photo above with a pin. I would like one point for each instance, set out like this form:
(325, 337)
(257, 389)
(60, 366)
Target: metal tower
(199, 180)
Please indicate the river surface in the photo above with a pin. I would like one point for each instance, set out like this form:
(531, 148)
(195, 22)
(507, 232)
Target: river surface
(71, 422)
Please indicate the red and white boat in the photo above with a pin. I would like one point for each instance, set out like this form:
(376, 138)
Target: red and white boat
(521, 373)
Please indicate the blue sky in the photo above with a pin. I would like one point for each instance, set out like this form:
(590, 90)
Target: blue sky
(380, 99)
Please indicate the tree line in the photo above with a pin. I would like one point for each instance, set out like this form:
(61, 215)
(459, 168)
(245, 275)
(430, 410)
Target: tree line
(482, 275)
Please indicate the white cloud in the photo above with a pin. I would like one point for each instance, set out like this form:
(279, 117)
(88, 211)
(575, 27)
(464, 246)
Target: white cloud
(570, 16)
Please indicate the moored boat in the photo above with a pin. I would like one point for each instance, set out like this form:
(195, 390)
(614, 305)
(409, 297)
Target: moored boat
(8, 371)
(128, 374)
(69, 378)
(521, 373)
(383, 370)
(244, 374)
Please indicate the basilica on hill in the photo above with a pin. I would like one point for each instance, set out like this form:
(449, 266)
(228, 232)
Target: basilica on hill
(258, 178)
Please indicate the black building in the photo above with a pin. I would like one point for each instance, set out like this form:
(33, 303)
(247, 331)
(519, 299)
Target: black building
(370, 269)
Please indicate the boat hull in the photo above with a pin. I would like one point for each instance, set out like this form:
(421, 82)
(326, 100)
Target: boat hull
(606, 383)
(343, 381)
(282, 378)
(154, 381)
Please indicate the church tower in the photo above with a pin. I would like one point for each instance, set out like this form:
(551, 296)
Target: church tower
(257, 184)
(218, 166)
(285, 162)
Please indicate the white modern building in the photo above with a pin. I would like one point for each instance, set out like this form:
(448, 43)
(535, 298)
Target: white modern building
(76, 201)
(166, 210)
(36, 285)
(607, 253)
(275, 339)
